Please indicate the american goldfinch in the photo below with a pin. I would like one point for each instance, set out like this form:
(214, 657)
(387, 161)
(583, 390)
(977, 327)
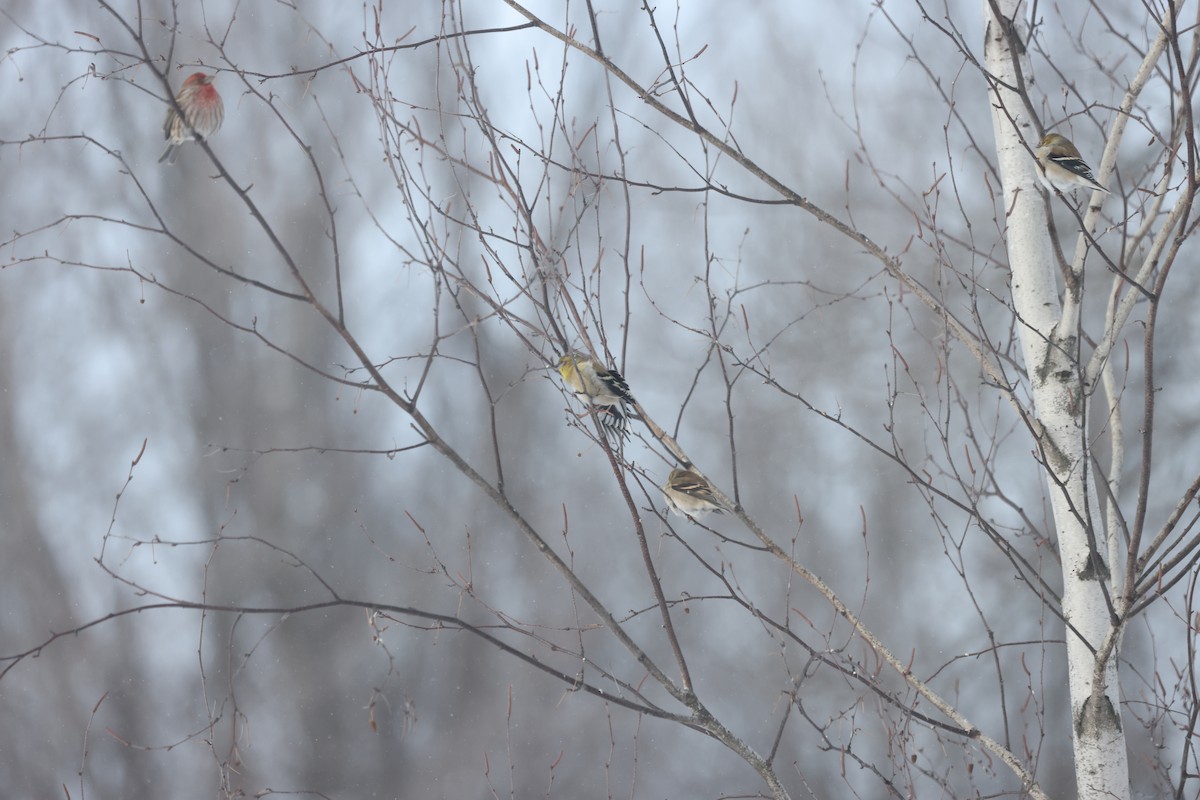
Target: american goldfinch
(1061, 166)
(602, 388)
(687, 494)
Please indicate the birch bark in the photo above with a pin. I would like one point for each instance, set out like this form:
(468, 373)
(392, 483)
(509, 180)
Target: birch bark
(1050, 347)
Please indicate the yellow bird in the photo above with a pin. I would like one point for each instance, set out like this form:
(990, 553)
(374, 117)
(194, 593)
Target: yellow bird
(689, 495)
(1060, 166)
(602, 388)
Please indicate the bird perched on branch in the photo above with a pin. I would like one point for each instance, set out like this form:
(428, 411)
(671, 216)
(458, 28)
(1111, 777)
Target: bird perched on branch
(1060, 166)
(203, 113)
(688, 494)
(601, 387)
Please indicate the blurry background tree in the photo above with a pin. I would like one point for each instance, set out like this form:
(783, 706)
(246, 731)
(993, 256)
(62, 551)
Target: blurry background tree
(365, 543)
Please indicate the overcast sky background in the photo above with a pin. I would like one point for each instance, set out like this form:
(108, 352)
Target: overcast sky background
(94, 361)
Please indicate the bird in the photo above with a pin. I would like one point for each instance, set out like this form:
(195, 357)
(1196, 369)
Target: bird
(688, 494)
(203, 113)
(600, 387)
(1060, 165)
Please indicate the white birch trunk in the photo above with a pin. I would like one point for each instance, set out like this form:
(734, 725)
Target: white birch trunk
(1050, 348)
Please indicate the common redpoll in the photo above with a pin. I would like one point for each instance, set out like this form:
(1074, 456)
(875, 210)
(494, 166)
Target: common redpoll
(202, 110)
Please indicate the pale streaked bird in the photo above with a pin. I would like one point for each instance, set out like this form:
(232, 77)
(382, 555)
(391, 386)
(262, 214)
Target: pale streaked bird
(603, 388)
(1060, 166)
(203, 113)
(689, 495)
